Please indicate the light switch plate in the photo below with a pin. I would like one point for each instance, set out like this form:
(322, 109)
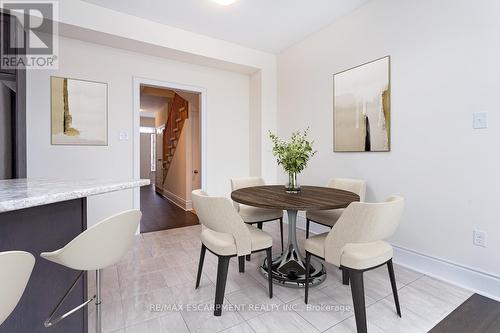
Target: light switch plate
(123, 136)
(480, 238)
(480, 120)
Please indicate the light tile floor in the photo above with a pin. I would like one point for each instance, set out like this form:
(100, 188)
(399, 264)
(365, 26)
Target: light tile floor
(161, 268)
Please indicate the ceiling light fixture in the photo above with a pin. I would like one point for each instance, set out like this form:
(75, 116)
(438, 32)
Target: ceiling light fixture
(225, 2)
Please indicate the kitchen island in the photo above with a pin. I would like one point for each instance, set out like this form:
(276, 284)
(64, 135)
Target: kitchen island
(39, 215)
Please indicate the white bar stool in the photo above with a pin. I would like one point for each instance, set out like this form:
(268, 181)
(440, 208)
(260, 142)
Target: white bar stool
(16, 268)
(98, 247)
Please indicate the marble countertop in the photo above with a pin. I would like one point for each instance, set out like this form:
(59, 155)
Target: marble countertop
(23, 193)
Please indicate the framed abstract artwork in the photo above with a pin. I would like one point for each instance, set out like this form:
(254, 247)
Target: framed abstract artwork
(362, 107)
(79, 112)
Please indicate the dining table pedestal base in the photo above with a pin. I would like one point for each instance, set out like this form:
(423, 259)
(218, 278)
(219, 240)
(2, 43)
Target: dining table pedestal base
(289, 269)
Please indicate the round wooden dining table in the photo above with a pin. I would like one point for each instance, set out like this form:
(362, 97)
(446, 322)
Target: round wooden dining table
(289, 268)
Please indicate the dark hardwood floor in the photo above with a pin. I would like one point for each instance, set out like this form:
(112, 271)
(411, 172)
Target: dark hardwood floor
(159, 214)
(478, 314)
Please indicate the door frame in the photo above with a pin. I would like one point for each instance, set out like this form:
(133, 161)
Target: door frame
(137, 81)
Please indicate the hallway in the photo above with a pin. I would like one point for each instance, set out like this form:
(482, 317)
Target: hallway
(160, 214)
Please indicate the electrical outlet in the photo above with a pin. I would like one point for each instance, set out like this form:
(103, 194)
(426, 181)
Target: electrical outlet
(479, 238)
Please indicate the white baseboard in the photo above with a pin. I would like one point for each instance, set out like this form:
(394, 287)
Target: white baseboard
(482, 283)
(186, 205)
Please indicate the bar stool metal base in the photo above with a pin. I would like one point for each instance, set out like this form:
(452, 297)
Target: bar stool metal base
(51, 321)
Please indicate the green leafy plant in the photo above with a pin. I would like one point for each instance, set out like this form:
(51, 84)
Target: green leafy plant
(293, 155)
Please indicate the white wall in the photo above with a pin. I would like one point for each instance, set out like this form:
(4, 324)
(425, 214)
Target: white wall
(85, 21)
(145, 154)
(145, 144)
(195, 128)
(227, 110)
(255, 121)
(445, 66)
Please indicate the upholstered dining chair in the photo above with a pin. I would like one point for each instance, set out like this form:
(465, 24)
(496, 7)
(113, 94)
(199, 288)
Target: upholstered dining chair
(356, 244)
(226, 235)
(255, 215)
(329, 217)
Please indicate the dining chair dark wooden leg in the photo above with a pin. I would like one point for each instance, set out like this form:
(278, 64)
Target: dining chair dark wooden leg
(249, 256)
(358, 299)
(345, 277)
(200, 264)
(308, 272)
(241, 264)
(281, 232)
(220, 286)
(390, 268)
(269, 253)
(307, 227)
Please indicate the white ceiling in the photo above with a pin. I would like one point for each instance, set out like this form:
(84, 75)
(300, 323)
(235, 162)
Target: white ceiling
(268, 25)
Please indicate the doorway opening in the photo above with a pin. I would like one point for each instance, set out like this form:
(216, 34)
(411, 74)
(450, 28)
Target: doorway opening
(170, 154)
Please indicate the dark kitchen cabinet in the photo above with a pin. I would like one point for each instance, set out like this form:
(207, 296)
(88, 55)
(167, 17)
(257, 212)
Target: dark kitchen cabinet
(12, 110)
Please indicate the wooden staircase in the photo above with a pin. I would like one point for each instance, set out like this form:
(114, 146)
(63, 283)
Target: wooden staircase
(177, 114)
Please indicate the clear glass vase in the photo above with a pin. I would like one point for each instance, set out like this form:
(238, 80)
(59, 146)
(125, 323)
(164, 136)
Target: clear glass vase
(292, 186)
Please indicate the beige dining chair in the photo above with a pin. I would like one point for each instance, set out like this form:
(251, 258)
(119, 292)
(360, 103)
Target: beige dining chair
(329, 217)
(356, 244)
(226, 235)
(255, 215)
(16, 268)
